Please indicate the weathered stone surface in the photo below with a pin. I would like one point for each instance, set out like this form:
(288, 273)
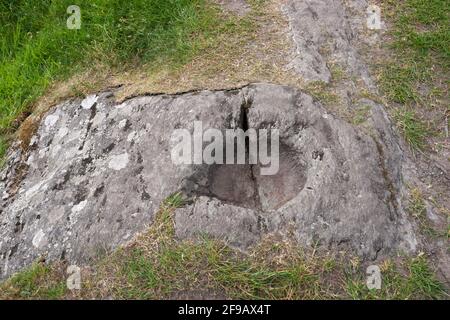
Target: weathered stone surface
(96, 173)
(337, 186)
(328, 31)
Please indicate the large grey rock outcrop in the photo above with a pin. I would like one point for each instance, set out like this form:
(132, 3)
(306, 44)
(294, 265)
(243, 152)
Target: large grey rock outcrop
(325, 32)
(97, 171)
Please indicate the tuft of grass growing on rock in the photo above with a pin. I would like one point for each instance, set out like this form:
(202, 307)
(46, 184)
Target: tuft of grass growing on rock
(209, 267)
(337, 72)
(418, 210)
(3, 149)
(414, 129)
(420, 40)
(361, 114)
(416, 73)
(417, 281)
(37, 49)
(322, 91)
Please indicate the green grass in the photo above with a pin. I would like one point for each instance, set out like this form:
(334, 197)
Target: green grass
(416, 75)
(3, 149)
(417, 206)
(322, 92)
(424, 28)
(414, 129)
(398, 81)
(416, 282)
(418, 210)
(421, 43)
(175, 200)
(37, 49)
(360, 114)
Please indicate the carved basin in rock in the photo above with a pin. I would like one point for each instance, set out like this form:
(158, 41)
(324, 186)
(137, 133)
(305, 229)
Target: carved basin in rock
(96, 173)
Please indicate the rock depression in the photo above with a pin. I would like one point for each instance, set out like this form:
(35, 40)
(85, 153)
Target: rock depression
(96, 172)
